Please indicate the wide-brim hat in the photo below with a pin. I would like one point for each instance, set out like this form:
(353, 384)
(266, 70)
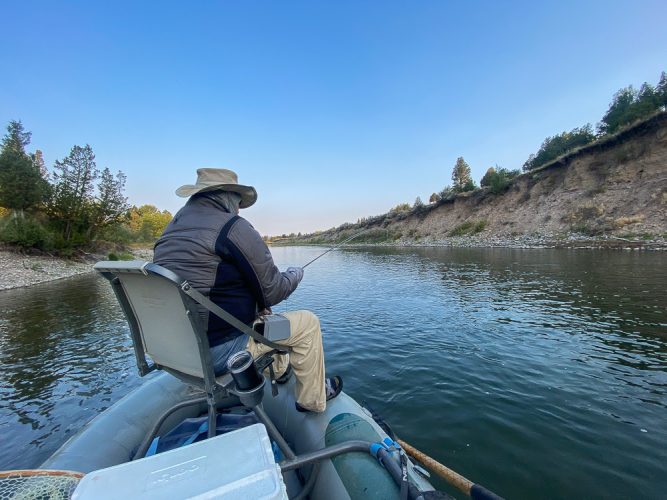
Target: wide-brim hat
(209, 179)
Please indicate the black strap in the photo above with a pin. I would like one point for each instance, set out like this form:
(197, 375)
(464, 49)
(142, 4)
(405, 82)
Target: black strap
(221, 313)
(404, 475)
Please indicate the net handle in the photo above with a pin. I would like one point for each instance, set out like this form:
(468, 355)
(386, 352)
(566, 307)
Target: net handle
(40, 472)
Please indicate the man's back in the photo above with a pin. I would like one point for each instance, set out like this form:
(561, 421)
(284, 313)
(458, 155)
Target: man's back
(222, 256)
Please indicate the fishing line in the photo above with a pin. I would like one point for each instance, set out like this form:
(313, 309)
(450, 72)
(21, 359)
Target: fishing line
(336, 246)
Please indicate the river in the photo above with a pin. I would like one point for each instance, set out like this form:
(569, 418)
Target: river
(537, 373)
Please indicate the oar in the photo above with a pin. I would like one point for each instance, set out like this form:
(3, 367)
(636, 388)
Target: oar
(334, 247)
(452, 477)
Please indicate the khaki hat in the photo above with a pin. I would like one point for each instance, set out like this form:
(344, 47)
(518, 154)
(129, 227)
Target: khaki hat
(209, 179)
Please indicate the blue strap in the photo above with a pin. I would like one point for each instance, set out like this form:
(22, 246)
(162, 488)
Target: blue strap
(152, 449)
(388, 444)
(202, 428)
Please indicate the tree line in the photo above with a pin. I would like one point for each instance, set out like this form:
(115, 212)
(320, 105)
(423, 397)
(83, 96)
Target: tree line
(628, 105)
(70, 208)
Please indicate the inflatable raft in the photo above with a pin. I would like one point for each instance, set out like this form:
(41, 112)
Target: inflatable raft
(115, 436)
(190, 433)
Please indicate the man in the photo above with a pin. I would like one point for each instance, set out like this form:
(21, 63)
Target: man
(221, 255)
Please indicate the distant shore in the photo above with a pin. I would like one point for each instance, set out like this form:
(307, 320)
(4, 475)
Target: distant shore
(18, 270)
(521, 241)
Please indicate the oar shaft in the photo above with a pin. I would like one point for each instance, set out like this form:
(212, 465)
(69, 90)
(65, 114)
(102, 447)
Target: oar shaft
(452, 477)
(461, 483)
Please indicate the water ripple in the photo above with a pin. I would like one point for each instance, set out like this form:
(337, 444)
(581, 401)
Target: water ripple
(516, 368)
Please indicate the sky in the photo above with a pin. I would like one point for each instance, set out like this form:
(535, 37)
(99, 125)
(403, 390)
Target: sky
(332, 110)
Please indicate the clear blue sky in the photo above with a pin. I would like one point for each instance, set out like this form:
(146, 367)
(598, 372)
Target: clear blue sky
(333, 110)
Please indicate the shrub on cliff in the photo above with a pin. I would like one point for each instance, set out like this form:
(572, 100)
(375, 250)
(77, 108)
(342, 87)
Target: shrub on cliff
(630, 105)
(558, 145)
(498, 180)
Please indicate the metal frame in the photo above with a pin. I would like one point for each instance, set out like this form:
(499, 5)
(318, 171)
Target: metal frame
(215, 391)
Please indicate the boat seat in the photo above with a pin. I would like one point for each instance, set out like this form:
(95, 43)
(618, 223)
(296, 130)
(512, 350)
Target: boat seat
(168, 321)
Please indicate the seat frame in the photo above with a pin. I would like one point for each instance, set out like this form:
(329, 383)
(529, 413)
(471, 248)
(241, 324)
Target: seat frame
(217, 389)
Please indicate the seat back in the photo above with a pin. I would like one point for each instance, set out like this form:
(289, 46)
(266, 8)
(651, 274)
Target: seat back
(165, 323)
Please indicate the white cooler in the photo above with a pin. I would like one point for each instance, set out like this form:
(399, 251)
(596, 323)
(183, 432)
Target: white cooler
(236, 465)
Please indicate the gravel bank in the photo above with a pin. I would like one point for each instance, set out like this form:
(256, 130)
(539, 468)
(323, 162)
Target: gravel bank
(537, 241)
(18, 270)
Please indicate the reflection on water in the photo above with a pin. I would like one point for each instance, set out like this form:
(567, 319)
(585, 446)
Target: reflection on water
(539, 373)
(65, 354)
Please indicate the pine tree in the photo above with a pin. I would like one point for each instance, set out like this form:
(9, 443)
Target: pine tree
(71, 204)
(21, 183)
(38, 162)
(16, 138)
(461, 176)
(111, 205)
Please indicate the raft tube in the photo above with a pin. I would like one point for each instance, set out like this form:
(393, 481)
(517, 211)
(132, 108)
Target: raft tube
(114, 436)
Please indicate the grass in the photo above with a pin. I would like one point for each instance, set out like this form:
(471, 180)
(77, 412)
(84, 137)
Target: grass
(626, 221)
(469, 227)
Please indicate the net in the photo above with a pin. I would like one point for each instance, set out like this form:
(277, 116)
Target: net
(38, 484)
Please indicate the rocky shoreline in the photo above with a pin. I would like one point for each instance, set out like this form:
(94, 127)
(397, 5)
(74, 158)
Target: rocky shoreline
(18, 270)
(538, 241)
(574, 241)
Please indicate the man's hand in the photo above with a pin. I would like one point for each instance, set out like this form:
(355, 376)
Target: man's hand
(297, 272)
(265, 312)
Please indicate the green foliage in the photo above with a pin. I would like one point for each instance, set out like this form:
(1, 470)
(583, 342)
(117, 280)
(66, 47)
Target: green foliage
(21, 183)
(401, 207)
(558, 145)
(447, 193)
(120, 256)
(117, 233)
(16, 138)
(147, 222)
(486, 180)
(71, 205)
(434, 198)
(110, 206)
(498, 180)
(71, 212)
(25, 232)
(418, 203)
(461, 176)
(629, 105)
(77, 210)
(469, 227)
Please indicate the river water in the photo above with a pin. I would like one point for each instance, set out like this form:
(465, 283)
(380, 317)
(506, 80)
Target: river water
(537, 373)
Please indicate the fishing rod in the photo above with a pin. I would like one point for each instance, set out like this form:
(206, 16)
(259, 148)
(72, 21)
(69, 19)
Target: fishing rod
(336, 246)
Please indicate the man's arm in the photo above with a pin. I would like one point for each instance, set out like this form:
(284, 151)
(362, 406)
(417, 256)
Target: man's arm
(268, 284)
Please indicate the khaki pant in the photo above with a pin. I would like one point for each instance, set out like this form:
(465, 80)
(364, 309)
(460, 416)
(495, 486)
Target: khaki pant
(306, 357)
